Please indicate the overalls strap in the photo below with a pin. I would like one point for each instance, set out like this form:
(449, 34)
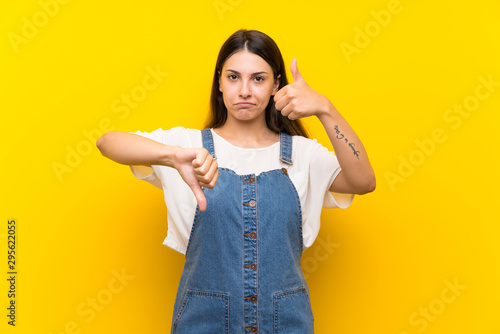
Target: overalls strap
(208, 142)
(286, 148)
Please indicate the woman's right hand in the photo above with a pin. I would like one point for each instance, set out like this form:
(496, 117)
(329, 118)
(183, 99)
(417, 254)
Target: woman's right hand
(198, 169)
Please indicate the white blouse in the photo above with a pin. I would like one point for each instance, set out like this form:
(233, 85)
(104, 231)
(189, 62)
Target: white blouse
(313, 171)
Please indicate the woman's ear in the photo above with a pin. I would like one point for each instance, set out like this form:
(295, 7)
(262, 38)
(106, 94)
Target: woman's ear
(276, 85)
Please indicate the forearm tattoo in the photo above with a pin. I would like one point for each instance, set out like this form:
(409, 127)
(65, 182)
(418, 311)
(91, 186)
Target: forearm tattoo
(340, 136)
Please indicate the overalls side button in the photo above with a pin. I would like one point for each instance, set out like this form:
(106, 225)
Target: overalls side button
(252, 266)
(252, 203)
(252, 329)
(253, 299)
(252, 235)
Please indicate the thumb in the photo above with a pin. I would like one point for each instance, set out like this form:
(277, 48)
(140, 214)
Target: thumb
(295, 71)
(200, 196)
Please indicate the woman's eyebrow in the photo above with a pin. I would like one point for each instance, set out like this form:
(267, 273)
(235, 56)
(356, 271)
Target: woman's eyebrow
(256, 73)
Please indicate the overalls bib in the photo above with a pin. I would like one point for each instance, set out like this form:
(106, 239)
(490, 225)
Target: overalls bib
(242, 272)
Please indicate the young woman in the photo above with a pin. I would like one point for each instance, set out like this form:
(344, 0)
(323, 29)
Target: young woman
(244, 195)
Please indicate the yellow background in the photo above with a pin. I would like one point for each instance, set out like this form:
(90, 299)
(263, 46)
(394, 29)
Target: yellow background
(383, 263)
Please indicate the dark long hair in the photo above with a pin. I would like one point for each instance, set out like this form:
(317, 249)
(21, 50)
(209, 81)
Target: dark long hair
(264, 46)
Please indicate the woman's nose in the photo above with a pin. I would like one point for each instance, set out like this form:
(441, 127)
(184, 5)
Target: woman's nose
(245, 90)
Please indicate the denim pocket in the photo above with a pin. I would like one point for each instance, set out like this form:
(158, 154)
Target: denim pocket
(203, 312)
(292, 312)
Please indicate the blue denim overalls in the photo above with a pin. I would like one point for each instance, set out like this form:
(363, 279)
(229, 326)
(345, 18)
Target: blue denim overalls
(242, 272)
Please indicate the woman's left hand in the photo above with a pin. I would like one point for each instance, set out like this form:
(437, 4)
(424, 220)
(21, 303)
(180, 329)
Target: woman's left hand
(298, 100)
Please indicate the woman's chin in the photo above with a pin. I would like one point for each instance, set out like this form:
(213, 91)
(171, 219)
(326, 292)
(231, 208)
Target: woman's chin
(245, 114)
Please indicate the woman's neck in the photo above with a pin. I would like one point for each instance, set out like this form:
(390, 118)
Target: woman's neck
(247, 135)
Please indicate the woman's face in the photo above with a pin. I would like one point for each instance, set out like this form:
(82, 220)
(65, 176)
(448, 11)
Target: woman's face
(247, 82)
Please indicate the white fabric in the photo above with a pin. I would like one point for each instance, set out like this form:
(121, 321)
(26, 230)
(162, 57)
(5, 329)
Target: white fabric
(313, 171)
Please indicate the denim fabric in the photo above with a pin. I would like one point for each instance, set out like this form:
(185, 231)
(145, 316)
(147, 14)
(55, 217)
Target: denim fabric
(242, 272)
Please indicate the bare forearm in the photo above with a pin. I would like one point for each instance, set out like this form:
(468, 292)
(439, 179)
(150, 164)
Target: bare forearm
(350, 152)
(131, 149)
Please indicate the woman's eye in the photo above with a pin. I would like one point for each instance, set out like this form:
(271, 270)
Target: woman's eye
(259, 79)
(232, 77)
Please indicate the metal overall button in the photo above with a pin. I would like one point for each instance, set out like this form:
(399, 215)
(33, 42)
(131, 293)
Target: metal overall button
(253, 299)
(252, 329)
(252, 266)
(252, 235)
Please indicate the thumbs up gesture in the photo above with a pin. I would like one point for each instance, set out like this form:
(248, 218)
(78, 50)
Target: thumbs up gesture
(298, 100)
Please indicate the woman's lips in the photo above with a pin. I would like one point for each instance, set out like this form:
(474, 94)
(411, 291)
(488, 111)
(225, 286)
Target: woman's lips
(245, 104)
